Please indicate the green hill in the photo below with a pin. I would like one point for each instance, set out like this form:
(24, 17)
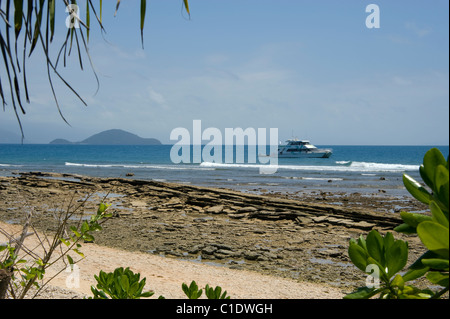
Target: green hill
(112, 137)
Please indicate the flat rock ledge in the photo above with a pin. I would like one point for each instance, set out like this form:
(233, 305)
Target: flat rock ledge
(277, 236)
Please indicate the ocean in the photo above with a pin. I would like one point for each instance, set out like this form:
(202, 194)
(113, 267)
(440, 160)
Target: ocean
(362, 169)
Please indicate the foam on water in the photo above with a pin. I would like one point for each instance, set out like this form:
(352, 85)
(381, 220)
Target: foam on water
(342, 166)
(150, 166)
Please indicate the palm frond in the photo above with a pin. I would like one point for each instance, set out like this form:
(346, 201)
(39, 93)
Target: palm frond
(34, 23)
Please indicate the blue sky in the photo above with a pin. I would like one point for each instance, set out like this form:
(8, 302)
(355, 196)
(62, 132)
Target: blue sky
(312, 69)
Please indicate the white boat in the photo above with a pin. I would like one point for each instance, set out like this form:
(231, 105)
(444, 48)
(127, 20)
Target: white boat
(302, 148)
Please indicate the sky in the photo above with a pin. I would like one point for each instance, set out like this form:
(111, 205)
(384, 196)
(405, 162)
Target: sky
(312, 69)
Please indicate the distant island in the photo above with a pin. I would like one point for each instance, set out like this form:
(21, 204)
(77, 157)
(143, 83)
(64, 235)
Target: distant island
(112, 137)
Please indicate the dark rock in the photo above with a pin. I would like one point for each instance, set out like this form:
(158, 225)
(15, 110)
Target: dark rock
(251, 255)
(209, 250)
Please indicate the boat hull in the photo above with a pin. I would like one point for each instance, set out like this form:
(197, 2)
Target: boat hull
(306, 155)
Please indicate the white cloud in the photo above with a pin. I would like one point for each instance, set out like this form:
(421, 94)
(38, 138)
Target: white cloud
(418, 31)
(157, 97)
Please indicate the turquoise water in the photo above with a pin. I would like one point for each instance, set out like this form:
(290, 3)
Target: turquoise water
(350, 168)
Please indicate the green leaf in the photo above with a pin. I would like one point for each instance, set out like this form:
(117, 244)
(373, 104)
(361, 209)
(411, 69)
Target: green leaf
(148, 294)
(363, 293)
(416, 190)
(134, 288)
(37, 26)
(428, 170)
(101, 10)
(39, 262)
(413, 274)
(405, 229)
(398, 282)
(214, 293)
(442, 186)
(102, 207)
(438, 278)
(375, 246)
(88, 238)
(124, 283)
(70, 260)
(75, 231)
(414, 219)
(79, 252)
(117, 288)
(88, 20)
(396, 257)
(418, 263)
(358, 256)
(84, 227)
(388, 241)
(192, 292)
(437, 214)
(65, 242)
(143, 9)
(18, 11)
(117, 7)
(435, 237)
(362, 242)
(436, 263)
(51, 9)
(186, 6)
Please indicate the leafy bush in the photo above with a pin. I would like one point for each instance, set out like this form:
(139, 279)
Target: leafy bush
(215, 293)
(124, 284)
(388, 256)
(120, 284)
(18, 275)
(193, 292)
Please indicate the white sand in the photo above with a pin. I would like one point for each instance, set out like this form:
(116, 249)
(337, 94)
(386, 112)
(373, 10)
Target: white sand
(165, 275)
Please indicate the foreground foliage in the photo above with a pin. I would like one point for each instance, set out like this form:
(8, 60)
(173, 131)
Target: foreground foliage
(125, 284)
(383, 257)
(193, 292)
(22, 268)
(27, 25)
(120, 284)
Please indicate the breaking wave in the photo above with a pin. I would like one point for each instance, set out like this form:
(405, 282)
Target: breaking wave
(342, 166)
(141, 166)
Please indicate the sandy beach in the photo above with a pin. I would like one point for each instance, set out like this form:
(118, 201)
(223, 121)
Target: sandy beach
(173, 233)
(165, 275)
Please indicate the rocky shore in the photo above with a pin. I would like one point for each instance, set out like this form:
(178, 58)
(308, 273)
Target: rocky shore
(302, 236)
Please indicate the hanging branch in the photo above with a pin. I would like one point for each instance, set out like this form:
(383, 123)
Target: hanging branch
(34, 20)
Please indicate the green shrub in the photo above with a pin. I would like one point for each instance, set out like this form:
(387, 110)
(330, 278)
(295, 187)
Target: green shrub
(18, 275)
(215, 293)
(120, 284)
(388, 256)
(192, 291)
